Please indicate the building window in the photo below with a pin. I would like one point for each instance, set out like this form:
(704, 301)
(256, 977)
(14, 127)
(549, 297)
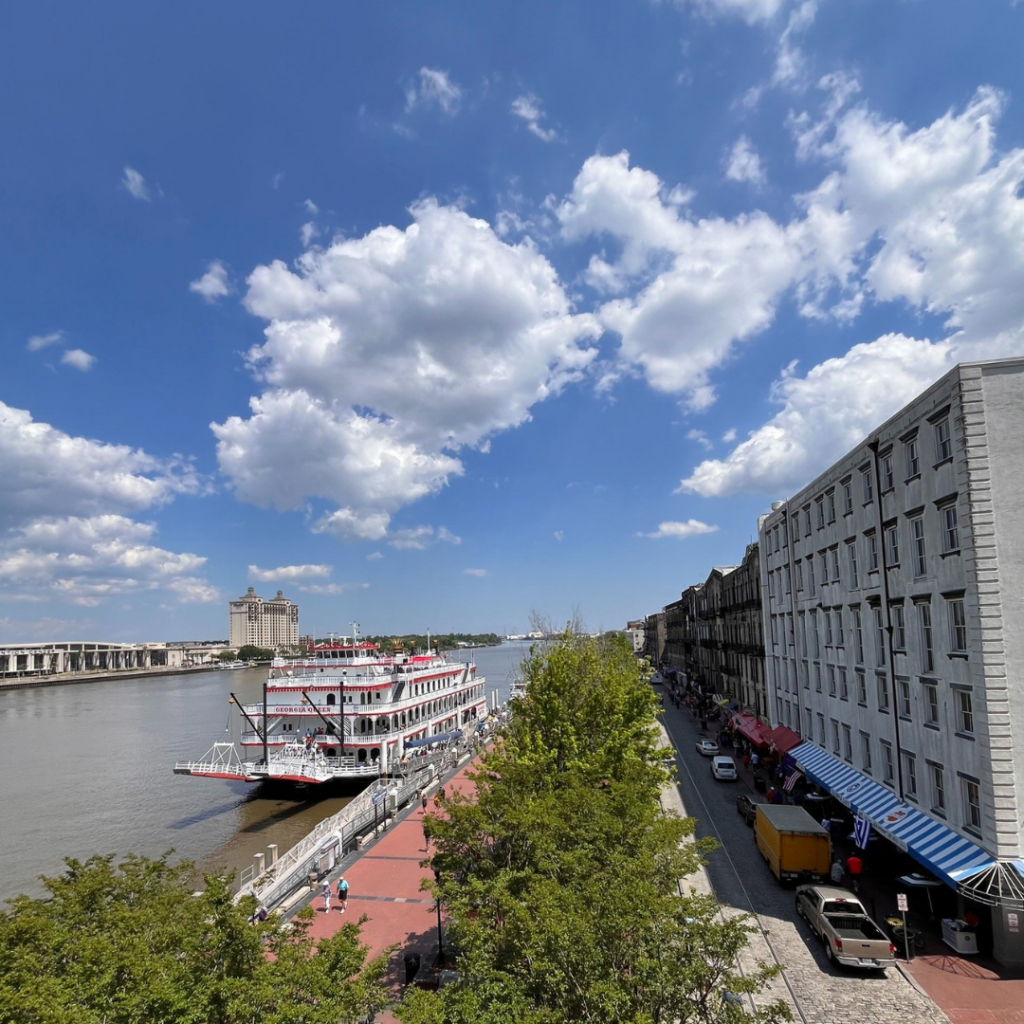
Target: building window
(814, 634)
(823, 565)
(950, 529)
(903, 696)
(882, 685)
(899, 627)
(810, 576)
(913, 460)
(892, 543)
(938, 788)
(840, 637)
(909, 776)
(879, 636)
(830, 505)
(807, 520)
(847, 744)
(858, 636)
(924, 621)
(831, 680)
(888, 765)
(821, 730)
(872, 552)
(809, 716)
(920, 565)
(834, 552)
(844, 689)
(865, 752)
(817, 678)
(957, 625)
(835, 737)
(931, 703)
(887, 474)
(851, 549)
(828, 627)
(964, 712)
(819, 509)
(799, 575)
(847, 498)
(972, 804)
(862, 687)
(796, 525)
(943, 441)
(869, 491)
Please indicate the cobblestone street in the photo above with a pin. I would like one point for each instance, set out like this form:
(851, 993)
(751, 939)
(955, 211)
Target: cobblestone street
(816, 992)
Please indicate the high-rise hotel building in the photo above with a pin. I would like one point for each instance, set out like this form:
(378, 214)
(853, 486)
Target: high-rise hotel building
(893, 603)
(262, 623)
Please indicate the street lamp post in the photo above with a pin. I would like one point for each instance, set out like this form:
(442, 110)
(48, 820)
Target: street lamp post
(440, 934)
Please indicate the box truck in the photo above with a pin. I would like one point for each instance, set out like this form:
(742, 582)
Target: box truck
(794, 845)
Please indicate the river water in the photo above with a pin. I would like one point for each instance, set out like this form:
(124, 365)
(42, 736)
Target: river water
(87, 770)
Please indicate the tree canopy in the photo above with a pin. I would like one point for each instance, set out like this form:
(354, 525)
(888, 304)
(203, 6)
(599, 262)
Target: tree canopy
(561, 877)
(131, 944)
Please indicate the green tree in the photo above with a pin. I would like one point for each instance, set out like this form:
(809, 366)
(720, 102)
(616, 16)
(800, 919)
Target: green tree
(131, 944)
(252, 653)
(227, 655)
(562, 876)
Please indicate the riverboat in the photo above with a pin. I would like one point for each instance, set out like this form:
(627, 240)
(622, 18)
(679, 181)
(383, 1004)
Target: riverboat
(346, 711)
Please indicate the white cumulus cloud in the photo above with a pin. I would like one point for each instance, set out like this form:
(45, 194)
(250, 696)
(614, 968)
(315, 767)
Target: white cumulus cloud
(475, 572)
(680, 531)
(435, 88)
(136, 185)
(529, 109)
(386, 354)
(78, 358)
(751, 11)
(213, 285)
(289, 572)
(39, 341)
(707, 284)
(64, 529)
(743, 164)
(824, 414)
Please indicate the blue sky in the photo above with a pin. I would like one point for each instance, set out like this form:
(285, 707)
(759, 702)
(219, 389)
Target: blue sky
(438, 315)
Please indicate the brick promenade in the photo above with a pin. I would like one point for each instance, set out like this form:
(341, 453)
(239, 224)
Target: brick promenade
(384, 885)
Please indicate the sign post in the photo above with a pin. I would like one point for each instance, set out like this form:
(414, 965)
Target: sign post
(901, 906)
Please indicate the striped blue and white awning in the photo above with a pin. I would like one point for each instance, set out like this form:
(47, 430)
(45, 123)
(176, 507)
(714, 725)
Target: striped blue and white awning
(944, 852)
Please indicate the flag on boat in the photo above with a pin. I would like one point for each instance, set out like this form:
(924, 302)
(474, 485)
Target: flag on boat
(861, 831)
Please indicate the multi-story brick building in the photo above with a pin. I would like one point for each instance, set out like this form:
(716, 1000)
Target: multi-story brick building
(894, 630)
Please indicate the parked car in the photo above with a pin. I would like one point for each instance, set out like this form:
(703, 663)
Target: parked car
(747, 808)
(723, 769)
(707, 747)
(839, 919)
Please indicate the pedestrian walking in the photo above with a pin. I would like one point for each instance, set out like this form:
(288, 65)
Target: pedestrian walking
(440, 792)
(327, 897)
(423, 800)
(837, 872)
(855, 867)
(343, 892)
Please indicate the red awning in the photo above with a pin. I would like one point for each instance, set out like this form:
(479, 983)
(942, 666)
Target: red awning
(752, 729)
(784, 739)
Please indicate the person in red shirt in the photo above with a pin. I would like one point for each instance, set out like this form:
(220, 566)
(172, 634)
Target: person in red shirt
(854, 867)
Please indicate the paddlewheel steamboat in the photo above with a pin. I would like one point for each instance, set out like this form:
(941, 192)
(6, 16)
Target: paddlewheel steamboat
(345, 711)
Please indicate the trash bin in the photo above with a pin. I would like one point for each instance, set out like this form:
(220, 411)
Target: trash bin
(412, 967)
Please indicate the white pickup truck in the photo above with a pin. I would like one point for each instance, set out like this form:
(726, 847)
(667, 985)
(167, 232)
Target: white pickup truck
(851, 938)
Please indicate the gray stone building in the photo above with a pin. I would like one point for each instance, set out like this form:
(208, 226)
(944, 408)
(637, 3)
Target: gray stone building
(894, 631)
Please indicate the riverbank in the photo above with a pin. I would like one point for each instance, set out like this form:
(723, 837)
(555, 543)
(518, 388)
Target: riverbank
(100, 676)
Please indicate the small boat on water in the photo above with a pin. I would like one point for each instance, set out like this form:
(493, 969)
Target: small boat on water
(346, 711)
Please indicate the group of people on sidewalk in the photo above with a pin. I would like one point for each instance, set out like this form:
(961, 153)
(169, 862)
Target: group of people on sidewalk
(342, 894)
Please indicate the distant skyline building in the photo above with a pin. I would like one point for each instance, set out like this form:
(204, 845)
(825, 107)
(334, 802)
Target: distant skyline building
(260, 623)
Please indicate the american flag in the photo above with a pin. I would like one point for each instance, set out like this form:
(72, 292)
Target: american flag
(791, 781)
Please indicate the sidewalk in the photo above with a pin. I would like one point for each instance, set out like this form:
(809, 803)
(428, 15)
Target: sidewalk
(384, 884)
